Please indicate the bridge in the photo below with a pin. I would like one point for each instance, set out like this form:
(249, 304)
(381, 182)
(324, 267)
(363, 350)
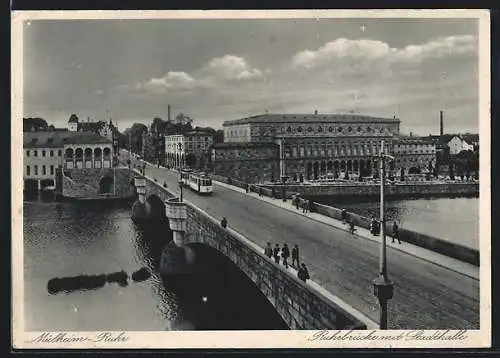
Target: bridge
(427, 295)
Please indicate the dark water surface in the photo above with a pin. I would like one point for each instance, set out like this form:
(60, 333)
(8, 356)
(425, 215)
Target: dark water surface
(452, 219)
(75, 238)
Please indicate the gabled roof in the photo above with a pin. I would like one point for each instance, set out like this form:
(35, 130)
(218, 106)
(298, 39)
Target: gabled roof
(73, 118)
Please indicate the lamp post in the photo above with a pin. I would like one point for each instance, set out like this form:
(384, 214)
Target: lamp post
(383, 289)
(283, 188)
(180, 184)
(180, 170)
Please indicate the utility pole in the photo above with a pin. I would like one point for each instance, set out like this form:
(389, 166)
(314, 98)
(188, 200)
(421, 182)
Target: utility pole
(383, 289)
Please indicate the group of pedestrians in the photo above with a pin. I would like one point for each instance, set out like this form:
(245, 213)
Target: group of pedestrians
(301, 203)
(375, 229)
(283, 253)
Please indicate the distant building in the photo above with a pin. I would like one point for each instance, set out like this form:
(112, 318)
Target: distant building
(175, 150)
(44, 152)
(190, 149)
(311, 145)
(414, 154)
(457, 144)
(102, 128)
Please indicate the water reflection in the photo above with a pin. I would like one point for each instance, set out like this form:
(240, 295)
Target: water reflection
(84, 239)
(452, 219)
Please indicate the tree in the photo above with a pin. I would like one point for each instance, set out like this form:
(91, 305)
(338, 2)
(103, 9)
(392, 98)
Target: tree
(34, 124)
(137, 130)
(451, 172)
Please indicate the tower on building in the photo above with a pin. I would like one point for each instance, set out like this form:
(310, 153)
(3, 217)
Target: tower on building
(73, 123)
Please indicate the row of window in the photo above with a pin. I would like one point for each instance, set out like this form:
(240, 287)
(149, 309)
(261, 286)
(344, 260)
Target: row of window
(35, 168)
(310, 129)
(44, 153)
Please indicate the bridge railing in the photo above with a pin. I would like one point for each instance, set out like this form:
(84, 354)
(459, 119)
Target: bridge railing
(443, 247)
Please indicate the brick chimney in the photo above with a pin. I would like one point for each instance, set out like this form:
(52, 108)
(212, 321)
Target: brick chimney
(441, 115)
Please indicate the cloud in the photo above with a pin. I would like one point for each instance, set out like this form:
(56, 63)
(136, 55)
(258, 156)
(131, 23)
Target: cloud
(173, 80)
(438, 48)
(233, 68)
(219, 71)
(373, 50)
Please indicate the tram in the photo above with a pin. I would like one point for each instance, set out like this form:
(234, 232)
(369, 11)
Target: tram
(200, 183)
(185, 177)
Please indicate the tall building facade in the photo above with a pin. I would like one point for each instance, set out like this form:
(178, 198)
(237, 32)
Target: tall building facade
(414, 154)
(313, 145)
(190, 149)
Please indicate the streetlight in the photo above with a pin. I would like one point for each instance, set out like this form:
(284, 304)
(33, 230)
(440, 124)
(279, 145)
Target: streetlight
(382, 287)
(283, 188)
(180, 170)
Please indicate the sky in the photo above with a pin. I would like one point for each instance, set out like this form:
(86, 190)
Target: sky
(215, 70)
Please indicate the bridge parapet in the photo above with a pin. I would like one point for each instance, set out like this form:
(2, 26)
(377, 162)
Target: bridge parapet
(300, 305)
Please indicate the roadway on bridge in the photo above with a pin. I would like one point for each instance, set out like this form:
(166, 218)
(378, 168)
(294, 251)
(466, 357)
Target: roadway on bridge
(426, 296)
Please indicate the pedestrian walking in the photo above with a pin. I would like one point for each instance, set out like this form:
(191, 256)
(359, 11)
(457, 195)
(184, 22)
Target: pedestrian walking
(373, 224)
(308, 209)
(303, 273)
(260, 191)
(297, 201)
(268, 251)
(295, 256)
(246, 187)
(276, 253)
(285, 254)
(304, 205)
(223, 222)
(395, 232)
(343, 214)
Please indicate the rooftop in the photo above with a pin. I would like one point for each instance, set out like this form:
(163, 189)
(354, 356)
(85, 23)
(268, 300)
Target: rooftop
(321, 118)
(246, 145)
(59, 138)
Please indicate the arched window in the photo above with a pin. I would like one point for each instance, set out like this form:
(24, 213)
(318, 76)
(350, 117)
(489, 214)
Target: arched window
(79, 153)
(289, 129)
(299, 129)
(330, 129)
(349, 129)
(339, 129)
(68, 154)
(320, 129)
(310, 129)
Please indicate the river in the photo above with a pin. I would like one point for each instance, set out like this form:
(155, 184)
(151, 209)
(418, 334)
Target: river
(73, 238)
(452, 219)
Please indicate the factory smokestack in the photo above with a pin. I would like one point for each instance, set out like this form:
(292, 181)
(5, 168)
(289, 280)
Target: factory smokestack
(441, 131)
(169, 113)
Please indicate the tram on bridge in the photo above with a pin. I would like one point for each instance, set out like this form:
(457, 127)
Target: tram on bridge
(201, 183)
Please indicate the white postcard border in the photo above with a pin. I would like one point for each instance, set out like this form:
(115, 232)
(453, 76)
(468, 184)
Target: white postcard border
(250, 339)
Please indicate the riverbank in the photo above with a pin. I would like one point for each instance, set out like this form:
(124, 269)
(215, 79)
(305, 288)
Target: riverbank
(372, 190)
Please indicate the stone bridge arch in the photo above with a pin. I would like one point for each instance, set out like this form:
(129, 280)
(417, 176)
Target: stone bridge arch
(155, 208)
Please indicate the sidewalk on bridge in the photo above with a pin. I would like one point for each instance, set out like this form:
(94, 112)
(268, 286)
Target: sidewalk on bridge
(424, 254)
(416, 251)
